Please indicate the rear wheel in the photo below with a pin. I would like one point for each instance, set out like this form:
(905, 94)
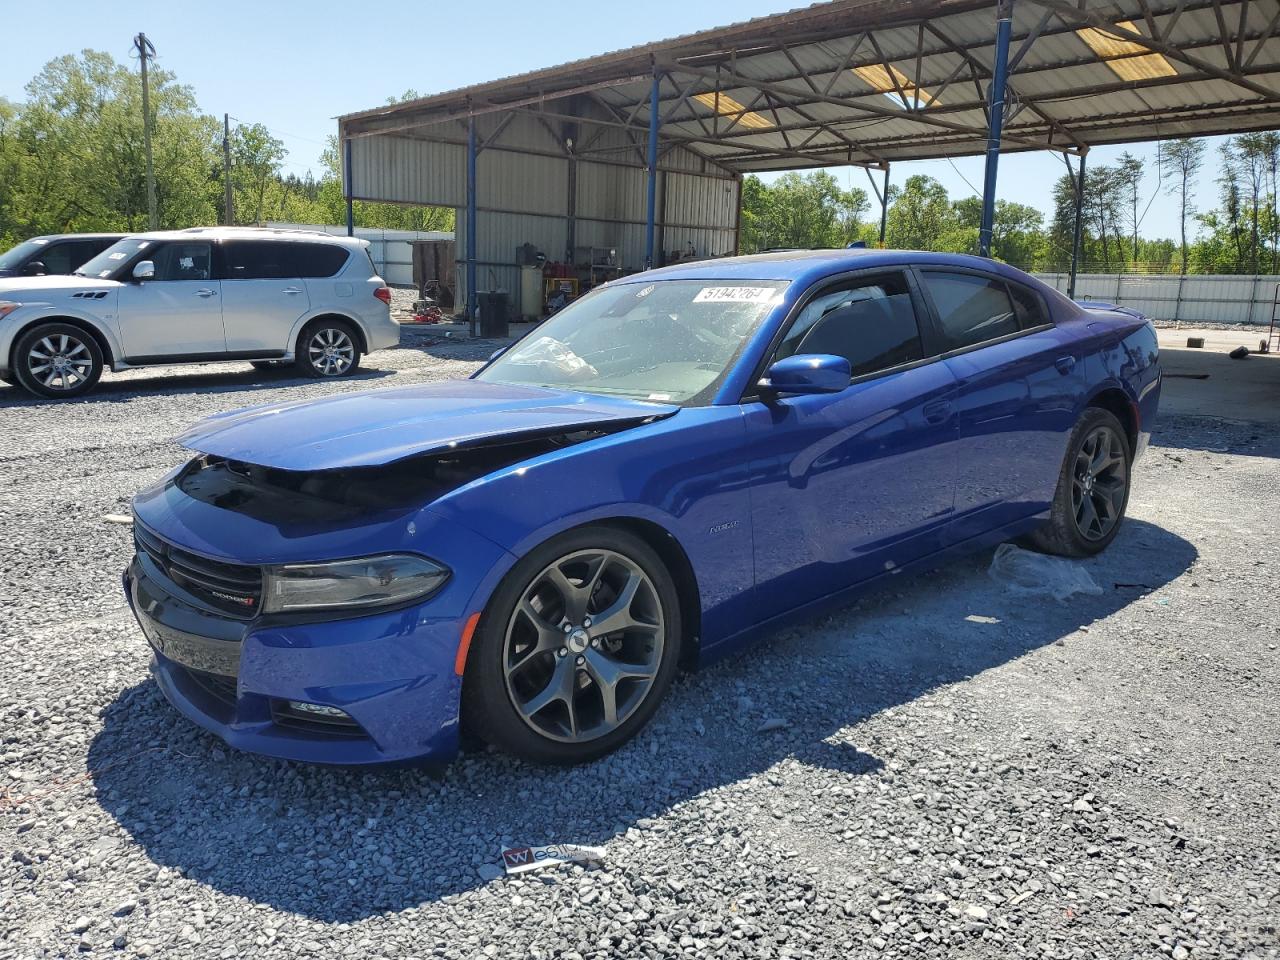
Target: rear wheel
(328, 348)
(57, 360)
(576, 649)
(1093, 488)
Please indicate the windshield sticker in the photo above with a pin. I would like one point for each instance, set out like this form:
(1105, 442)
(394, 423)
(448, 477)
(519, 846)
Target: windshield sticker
(115, 256)
(736, 295)
(39, 243)
(645, 292)
(144, 244)
(659, 396)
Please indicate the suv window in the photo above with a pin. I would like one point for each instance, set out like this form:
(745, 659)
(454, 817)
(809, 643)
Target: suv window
(258, 260)
(319, 259)
(282, 259)
(57, 258)
(183, 261)
(870, 322)
(971, 308)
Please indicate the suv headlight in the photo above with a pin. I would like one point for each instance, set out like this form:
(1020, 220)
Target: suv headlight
(364, 582)
(7, 307)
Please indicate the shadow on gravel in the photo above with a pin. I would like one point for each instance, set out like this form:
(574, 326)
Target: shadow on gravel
(112, 390)
(340, 845)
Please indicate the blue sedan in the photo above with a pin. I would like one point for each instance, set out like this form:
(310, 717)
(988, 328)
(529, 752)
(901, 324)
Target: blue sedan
(677, 463)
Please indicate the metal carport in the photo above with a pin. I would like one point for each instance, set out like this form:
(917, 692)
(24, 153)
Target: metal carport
(644, 149)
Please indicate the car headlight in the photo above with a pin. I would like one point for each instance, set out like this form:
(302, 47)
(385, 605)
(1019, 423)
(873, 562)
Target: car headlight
(7, 307)
(364, 582)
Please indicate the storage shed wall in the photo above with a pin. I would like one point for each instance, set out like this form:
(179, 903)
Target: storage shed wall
(523, 175)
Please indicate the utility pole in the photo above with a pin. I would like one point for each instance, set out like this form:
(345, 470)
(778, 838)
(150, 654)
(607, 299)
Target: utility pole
(146, 50)
(228, 199)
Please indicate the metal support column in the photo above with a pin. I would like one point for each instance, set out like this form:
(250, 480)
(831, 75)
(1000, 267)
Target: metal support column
(348, 182)
(884, 206)
(999, 78)
(472, 306)
(652, 199)
(1077, 236)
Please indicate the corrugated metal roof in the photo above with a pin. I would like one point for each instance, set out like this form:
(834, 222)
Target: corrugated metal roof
(813, 82)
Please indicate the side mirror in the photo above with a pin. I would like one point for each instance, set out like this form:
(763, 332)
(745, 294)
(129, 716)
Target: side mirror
(144, 270)
(807, 373)
(499, 352)
(35, 268)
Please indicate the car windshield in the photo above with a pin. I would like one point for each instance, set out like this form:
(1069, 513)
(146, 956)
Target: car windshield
(670, 340)
(12, 259)
(113, 258)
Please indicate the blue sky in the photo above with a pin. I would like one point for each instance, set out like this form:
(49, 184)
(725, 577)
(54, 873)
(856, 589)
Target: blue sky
(293, 66)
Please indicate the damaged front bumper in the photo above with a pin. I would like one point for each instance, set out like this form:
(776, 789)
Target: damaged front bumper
(370, 689)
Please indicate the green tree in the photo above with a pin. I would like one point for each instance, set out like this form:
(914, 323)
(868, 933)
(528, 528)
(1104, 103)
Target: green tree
(80, 151)
(256, 157)
(800, 210)
(920, 214)
(1183, 160)
(1129, 176)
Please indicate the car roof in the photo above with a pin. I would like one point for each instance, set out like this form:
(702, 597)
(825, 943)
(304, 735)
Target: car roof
(251, 233)
(50, 237)
(810, 265)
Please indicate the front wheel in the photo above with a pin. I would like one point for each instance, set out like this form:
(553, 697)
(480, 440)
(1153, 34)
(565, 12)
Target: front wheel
(328, 348)
(576, 649)
(1093, 488)
(57, 360)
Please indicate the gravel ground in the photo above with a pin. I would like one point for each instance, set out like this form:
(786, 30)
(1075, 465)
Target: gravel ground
(953, 769)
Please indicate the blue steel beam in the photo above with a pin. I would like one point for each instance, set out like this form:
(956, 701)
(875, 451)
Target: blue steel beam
(651, 208)
(471, 224)
(999, 80)
(348, 184)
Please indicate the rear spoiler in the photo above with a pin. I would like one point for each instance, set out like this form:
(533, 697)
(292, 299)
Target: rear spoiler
(1114, 308)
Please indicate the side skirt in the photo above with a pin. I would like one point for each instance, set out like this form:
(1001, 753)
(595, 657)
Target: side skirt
(842, 598)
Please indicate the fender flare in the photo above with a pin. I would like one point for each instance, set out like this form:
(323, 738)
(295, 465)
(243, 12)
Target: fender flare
(112, 349)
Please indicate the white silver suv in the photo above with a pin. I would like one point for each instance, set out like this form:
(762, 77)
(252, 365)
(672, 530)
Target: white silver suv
(193, 296)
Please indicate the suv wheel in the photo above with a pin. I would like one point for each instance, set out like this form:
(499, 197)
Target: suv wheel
(57, 360)
(328, 348)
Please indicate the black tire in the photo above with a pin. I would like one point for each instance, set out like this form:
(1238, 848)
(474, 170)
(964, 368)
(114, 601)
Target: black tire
(1076, 528)
(489, 710)
(319, 336)
(268, 365)
(52, 354)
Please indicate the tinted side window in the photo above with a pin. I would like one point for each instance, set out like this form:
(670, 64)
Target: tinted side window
(1031, 309)
(57, 258)
(871, 323)
(314, 260)
(258, 260)
(971, 308)
(183, 261)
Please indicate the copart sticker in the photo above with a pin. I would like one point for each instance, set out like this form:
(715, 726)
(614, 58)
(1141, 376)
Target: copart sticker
(736, 295)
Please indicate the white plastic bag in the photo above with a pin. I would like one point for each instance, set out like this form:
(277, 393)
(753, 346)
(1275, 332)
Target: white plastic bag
(1022, 571)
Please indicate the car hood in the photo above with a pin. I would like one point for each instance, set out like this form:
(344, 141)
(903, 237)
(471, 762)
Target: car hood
(34, 287)
(376, 427)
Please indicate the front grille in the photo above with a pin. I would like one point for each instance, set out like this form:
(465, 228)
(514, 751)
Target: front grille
(233, 588)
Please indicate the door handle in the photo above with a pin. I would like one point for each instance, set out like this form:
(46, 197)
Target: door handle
(291, 291)
(1065, 365)
(206, 292)
(938, 411)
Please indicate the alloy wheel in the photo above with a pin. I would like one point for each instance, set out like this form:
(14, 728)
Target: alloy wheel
(1098, 483)
(331, 351)
(583, 645)
(60, 361)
